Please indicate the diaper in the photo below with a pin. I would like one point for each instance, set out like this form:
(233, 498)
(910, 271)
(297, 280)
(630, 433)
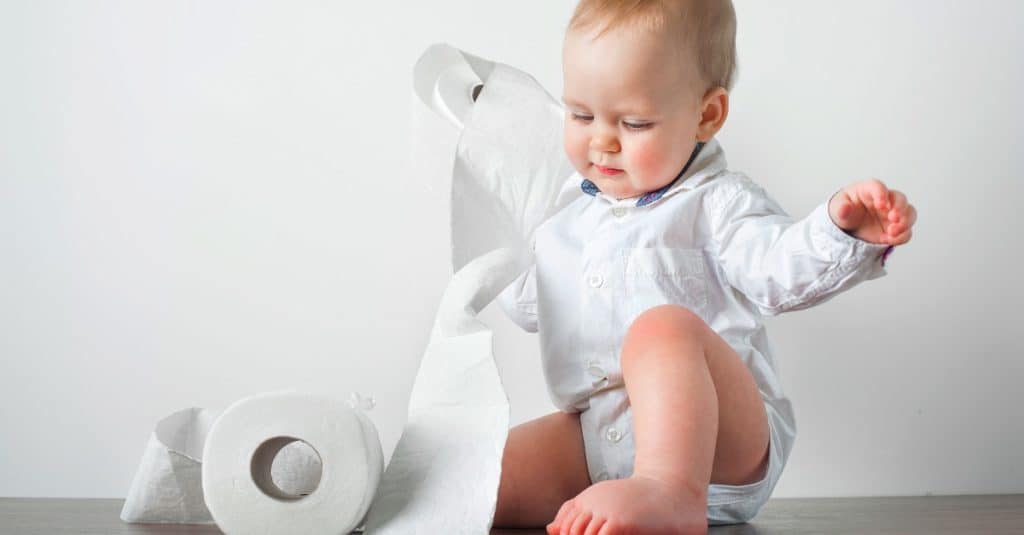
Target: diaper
(607, 428)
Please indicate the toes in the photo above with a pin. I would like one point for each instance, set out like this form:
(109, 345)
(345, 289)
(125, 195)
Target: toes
(581, 522)
(564, 513)
(594, 527)
(567, 523)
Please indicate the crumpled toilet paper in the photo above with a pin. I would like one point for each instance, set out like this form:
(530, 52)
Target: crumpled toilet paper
(507, 176)
(167, 486)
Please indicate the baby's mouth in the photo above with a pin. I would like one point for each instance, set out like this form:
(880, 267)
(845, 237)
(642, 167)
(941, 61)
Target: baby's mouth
(607, 171)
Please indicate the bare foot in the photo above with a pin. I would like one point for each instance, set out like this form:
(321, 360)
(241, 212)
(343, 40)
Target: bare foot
(638, 504)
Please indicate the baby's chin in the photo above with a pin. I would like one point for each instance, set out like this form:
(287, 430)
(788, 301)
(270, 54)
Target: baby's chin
(617, 186)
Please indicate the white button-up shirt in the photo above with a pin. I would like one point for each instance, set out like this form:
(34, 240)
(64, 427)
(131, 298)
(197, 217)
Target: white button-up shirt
(713, 242)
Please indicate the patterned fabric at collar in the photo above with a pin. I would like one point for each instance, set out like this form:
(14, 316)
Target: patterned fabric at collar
(591, 189)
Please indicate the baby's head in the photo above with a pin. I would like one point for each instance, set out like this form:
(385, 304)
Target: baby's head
(645, 80)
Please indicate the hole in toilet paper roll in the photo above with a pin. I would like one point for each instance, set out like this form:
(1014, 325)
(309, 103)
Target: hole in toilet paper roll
(286, 468)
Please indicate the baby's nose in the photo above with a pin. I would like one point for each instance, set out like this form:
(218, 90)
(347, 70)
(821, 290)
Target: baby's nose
(604, 143)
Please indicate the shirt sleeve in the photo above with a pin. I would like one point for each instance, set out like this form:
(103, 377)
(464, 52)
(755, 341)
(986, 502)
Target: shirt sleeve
(781, 264)
(519, 300)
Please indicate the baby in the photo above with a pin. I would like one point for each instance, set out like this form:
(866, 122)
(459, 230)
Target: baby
(650, 289)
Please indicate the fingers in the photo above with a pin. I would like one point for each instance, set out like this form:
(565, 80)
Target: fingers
(905, 211)
(880, 194)
(840, 207)
(877, 195)
(844, 208)
(900, 206)
(894, 218)
(900, 239)
(890, 215)
(900, 218)
(874, 197)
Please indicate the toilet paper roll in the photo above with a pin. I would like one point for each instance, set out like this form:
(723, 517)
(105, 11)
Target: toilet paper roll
(239, 452)
(510, 171)
(167, 487)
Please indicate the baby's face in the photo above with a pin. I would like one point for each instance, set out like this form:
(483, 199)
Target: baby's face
(632, 109)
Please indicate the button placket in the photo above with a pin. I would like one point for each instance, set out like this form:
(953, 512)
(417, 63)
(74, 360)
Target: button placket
(598, 376)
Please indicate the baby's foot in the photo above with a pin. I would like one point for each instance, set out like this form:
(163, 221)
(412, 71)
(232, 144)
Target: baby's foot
(638, 504)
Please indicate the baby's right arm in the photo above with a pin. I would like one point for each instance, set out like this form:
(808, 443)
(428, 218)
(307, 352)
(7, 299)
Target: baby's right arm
(519, 300)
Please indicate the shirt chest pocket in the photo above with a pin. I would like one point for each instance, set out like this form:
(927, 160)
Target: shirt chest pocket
(664, 275)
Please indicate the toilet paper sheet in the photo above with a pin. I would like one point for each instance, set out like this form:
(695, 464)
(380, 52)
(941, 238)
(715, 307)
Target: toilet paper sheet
(507, 175)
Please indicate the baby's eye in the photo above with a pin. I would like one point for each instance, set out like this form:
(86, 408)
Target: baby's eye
(582, 117)
(635, 125)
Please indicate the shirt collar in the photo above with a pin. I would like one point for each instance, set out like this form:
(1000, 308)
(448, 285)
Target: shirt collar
(706, 161)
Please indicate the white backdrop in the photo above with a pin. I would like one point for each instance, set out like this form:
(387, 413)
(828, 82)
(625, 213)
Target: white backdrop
(201, 201)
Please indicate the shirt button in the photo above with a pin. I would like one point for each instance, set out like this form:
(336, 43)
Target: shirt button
(613, 435)
(618, 211)
(595, 280)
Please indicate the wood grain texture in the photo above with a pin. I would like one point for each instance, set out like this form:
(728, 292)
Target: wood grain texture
(938, 515)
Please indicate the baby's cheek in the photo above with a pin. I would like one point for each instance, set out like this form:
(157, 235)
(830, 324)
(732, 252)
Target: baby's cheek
(576, 149)
(647, 160)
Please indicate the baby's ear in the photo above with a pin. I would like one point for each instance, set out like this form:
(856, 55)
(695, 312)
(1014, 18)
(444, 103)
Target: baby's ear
(714, 109)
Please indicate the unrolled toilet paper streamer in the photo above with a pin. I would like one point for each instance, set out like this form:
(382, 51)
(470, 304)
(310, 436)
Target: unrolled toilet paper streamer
(507, 174)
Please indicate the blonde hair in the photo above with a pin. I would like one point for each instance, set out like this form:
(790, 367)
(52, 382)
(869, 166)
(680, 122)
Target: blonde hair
(706, 29)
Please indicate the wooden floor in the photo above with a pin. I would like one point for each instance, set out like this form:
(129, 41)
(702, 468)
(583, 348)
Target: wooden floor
(994, 514)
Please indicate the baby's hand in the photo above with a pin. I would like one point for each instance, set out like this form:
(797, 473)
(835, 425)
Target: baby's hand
(872, 212)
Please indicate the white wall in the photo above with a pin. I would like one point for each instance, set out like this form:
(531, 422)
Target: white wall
(204, 200)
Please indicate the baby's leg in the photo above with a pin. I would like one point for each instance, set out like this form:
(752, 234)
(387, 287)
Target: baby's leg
(698, 418)
(543, 466)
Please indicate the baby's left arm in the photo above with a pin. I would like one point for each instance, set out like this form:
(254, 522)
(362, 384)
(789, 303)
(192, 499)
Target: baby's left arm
(870, 211)
(781, 264)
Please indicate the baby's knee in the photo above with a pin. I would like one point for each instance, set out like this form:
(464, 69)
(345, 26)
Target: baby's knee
(664, 322)
(659, 331)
